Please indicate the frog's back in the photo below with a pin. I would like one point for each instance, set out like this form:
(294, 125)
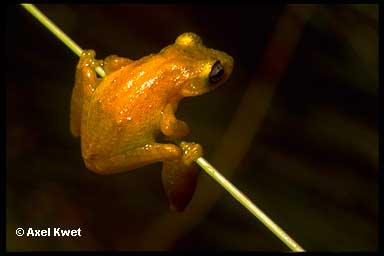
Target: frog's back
(126, 107)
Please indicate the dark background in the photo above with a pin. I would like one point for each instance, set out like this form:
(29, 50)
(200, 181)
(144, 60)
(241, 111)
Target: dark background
(294, 128)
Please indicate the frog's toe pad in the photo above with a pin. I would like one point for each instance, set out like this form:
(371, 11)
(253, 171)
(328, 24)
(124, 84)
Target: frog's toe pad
(191, 152)
(87, 59)
(87, 55)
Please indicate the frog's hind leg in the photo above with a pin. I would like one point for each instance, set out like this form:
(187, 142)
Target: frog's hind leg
(130, 159)
(85, 83)
(180, 176)
(114, 62)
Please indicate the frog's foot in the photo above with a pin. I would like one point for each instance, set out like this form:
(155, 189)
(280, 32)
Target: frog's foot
(191, 152)
(87, 59)
(180, 176)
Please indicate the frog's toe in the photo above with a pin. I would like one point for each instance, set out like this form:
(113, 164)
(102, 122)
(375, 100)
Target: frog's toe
(88, 54)
(87, 59)
(191, 152)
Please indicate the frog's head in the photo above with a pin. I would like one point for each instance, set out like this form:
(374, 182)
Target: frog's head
(196, 69)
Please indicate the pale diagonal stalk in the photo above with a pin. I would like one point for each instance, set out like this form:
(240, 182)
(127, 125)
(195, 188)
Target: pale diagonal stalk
(244, 200)
(58, 32)
(237, 194)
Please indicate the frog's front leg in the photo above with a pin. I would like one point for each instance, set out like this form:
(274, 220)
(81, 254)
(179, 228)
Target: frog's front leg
(85, 84)
(170, 126)
(114, 62)
(180, 176)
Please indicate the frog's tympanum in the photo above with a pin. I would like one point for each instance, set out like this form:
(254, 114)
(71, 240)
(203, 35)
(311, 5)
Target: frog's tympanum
(127, 119)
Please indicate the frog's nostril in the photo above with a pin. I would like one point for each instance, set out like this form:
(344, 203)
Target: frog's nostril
(216, 73)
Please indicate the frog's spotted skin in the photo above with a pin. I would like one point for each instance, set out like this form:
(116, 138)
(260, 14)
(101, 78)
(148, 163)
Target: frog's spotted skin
(120, 117)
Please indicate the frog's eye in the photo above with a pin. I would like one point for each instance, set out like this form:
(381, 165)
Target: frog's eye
(216, 73)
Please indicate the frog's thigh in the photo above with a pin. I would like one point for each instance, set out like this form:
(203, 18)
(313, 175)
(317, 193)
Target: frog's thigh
(180, 176)
(135, 158)
(114, 62)
(85, 83)
(171, 126)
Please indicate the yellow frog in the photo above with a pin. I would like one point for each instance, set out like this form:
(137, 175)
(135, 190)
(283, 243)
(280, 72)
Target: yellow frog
(122, 118)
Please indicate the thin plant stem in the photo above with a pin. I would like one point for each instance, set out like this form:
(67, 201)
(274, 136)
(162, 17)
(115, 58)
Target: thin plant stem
(215, 174)
(58, 32)
(244, 200)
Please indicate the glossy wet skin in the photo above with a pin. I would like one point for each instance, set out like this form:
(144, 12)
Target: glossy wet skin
(121, 118)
